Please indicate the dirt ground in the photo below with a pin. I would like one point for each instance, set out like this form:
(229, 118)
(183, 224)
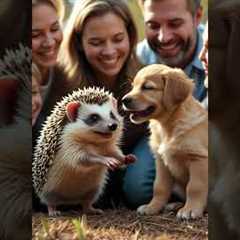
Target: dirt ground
(119, 224)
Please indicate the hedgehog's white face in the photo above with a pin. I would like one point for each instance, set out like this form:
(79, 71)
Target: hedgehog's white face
(97, 123)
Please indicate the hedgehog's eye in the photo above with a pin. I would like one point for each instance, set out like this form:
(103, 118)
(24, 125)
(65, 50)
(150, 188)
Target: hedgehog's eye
(94, 118)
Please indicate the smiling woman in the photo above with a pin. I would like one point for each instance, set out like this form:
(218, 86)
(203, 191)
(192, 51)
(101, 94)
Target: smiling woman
(46, 40)
(46, 35)
(106, 50)
(99, 41)
(98, 48)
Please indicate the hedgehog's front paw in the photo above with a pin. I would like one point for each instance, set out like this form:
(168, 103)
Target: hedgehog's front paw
(112, 163)
(130, 158)
(93, 211)
(52, 212)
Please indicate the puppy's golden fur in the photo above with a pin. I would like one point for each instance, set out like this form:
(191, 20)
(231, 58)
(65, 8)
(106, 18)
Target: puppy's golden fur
(179, 136)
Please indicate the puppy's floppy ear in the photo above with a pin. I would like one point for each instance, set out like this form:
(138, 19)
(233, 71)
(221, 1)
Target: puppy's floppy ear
(72, 110)
(177, 87)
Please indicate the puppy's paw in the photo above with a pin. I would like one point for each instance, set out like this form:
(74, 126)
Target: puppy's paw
(173, 207)
(147, 210)
(189, 213)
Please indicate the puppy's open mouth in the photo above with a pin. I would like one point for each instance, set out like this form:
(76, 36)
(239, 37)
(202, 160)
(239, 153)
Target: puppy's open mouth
(144, 113)
(104, 134)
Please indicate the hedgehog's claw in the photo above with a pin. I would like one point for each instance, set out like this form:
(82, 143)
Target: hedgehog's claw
(52, 212)
(112, 163)
(93, 211)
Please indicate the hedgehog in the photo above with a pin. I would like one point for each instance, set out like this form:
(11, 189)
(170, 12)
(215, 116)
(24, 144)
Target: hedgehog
(77, 145)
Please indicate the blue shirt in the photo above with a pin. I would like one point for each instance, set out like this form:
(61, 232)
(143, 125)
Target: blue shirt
(194, 69)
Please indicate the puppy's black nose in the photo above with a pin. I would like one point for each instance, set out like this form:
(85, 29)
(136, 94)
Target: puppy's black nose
(127, 101)
(112, 127)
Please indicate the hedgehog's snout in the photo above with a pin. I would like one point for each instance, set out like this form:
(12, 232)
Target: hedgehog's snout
(112, 126)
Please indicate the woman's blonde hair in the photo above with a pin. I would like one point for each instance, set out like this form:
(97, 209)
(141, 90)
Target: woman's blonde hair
(71, 55)
(36, 74)
(58, 5)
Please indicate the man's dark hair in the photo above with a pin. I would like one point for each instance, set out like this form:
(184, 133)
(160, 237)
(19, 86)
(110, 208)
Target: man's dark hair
(192, 5)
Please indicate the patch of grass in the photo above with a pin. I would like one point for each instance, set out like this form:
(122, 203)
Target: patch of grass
(119, 224)
(81, 227)
(136, 235)
(44, 230)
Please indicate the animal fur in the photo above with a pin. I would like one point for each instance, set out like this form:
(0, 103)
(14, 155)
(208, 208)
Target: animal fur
(78, 143)
(179, 136)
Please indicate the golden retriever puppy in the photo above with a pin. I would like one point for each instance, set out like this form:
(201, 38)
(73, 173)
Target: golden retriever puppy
(179, 136)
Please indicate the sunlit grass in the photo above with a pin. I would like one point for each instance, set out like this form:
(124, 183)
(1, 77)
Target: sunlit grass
(119, 224)
(47, 232)
(81, 227)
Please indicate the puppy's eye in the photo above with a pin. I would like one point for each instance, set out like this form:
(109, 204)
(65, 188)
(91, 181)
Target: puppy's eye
(147, 87)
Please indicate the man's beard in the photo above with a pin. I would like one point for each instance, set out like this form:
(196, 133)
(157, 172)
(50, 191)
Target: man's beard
(181, 59)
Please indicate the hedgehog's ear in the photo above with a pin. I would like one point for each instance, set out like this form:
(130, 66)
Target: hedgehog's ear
(72, 110)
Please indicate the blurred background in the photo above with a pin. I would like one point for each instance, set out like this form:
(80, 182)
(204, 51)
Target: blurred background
(137, 14)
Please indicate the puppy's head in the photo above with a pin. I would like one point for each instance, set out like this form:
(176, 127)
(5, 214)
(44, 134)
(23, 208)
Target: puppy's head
(157, 89)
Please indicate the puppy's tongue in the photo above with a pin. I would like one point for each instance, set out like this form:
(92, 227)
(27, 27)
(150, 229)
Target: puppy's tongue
(143, 113)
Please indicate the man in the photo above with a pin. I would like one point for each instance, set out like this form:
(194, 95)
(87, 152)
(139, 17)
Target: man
(173, 37)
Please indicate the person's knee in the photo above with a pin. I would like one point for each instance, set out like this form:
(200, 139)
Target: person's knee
(139, 177)
(137, 193)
